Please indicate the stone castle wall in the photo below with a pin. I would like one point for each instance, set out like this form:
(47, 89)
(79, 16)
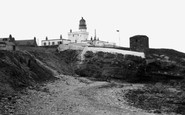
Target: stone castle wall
(139, 43)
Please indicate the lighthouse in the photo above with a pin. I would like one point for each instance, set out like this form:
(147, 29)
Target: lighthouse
(81, 35)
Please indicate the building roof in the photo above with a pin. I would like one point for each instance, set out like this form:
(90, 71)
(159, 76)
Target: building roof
(8, 39)
(26, 42)
(78, 32)
(4, 39)
(56, 39)
(7, 43)
(139, 37)
(82, 24)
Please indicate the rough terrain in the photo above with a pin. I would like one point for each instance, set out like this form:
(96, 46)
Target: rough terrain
(74, 96)
(40, 93)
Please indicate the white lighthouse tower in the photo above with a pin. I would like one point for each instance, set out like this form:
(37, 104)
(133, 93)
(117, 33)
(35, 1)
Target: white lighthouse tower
(81, 35)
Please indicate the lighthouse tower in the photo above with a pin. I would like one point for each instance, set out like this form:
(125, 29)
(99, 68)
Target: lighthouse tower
(81, 35)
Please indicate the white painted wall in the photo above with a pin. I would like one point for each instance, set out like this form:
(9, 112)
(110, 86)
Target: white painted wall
(78, 36)
(56, 42)
(124, 52)
(63, 47)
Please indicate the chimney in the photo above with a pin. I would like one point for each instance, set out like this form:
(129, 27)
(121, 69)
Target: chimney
(10, 36)
(35, 41)
(95, 33)
(70, 30)
(46, 38)
(61, 37)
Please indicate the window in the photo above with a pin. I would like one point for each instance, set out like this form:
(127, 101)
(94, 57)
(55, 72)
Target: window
(48, 43)
(5, 39)
(59, 42)
(53, 43)
(44, 43)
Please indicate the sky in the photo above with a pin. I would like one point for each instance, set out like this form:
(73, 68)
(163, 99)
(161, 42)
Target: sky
(163, 21)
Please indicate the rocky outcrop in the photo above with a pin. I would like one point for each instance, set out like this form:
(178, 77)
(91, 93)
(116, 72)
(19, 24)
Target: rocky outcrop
(105, 65)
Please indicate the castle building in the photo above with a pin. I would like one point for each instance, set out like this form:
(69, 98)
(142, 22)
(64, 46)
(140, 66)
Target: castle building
(139, 43)
(81, 35)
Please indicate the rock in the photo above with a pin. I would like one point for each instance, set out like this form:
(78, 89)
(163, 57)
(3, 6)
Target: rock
(105, 66)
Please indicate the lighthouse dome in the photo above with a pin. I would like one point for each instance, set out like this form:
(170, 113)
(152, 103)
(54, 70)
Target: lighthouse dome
(82, 24)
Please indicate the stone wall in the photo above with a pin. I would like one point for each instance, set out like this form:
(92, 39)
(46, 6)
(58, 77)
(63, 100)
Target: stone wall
(63, 47)
(139, 43)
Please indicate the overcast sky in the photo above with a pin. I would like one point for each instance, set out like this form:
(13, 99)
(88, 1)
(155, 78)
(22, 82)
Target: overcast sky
(163, 21)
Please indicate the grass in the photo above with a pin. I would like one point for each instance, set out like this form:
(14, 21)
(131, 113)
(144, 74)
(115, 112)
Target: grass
(158, 98)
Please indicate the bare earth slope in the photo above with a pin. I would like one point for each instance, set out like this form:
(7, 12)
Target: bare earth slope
(76, 96)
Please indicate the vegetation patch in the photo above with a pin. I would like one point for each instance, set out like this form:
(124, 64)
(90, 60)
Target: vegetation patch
(158, 98)
(105, 66)
(63, 62)
(19, 70)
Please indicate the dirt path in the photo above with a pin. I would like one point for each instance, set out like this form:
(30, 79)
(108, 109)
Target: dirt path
(76, 96)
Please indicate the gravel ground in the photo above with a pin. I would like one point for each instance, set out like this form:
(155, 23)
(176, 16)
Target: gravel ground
(72, 96)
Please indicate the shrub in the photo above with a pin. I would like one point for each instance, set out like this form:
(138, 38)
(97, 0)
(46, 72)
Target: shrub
(107, 65)
(89, 54)
(158, 98)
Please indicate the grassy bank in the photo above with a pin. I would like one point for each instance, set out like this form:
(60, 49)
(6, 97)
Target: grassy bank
(19, 69)
(159, 98)
(164, 92)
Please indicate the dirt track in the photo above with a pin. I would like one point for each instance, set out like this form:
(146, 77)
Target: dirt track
(76, 96)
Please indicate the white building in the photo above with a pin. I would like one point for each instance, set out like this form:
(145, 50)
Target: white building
(54, 42)
(81, 35)
(78, 38)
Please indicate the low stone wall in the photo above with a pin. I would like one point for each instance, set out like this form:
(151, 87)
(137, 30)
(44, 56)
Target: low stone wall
(111, 50)
(64, 47)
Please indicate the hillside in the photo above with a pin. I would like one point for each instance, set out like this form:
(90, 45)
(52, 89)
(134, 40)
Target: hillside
(164, 90)
(20, 69)
(162, 71)
(173, 55)
(15, 65)
(165, 63)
